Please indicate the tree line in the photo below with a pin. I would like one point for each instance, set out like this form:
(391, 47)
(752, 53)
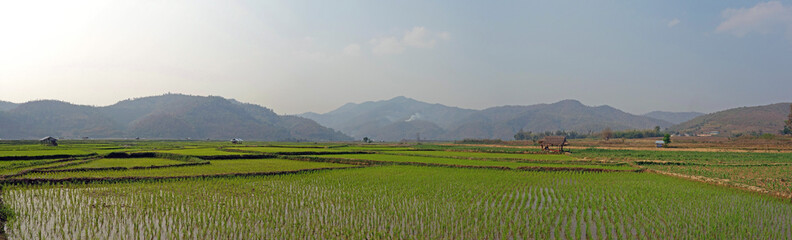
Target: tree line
(606, 134)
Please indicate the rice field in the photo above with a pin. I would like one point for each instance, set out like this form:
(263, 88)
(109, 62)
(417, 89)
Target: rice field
(124, 162)
(286, 149)
(203, 152)
(216, 167)
(396, 191)
(467, 162)
(483, 155)
(33, 153)
(398, 202)
(773, 178)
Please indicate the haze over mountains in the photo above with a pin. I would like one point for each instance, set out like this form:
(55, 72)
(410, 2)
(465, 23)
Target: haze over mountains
(404, 118)
(170, 116)
(673, 117)
(176, 116)
(5, 106)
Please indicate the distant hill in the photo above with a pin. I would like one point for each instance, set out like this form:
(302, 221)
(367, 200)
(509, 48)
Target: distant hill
(404, 118)
(745, 120)
(570, 115)
(5, 106)
(383, 120)
(171, 116)
(673, 117)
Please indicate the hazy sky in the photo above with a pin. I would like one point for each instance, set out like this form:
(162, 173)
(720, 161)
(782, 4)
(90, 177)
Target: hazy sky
(297, 56)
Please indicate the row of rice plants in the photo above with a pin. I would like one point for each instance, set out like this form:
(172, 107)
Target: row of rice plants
(203, 152)
(285, 149)
(47, 164)
(484, 155)
(399, 202)
(467, 162)
(124, 162)
(474, 148)
(688, 156)
(215, 167)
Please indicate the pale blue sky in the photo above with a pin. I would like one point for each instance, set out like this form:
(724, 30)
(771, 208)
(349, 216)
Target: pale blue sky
(298, 56)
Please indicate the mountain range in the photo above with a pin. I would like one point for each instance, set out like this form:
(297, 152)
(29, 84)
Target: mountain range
(177, 116)
(170, 116)
(742, 120)
(404, 118)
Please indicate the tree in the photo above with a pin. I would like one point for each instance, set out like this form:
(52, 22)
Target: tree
(367, 140)
(788, 125)
(522, 135)
(657, 129)
(607, 133)
(667, 139)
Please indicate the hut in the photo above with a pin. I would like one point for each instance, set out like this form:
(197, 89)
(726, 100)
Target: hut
(50, 141)
(549, 141)
(659, 143)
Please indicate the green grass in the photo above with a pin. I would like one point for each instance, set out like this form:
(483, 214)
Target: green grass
(487, 155)
(464, 162)
(286, 149)
(9, 171)
(374, 148)
(48, 152)
(125, 162)
(476, 148)
(22, 163)
(688, 156)
(216, 167)
(400, 202)
(203, 152)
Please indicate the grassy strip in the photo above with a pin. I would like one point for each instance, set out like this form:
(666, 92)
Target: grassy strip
(383, 163)
(26, 163)
(321, 153)
(574, 169)
(474, 148)
(83, 180)
(292, 150)
(68, 162)
(41, 157)
(490, 156)
(200, 152)
(118, 168)
(677, 163)
(171, 156)
(465, 162)
(128, 162)
(328, 160)
(215, 167)
(687, 156)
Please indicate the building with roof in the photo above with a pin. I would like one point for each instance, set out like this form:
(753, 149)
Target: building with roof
(550, 141)
(49, 141)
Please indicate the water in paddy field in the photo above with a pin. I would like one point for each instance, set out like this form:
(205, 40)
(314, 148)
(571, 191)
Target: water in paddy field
(556, 209)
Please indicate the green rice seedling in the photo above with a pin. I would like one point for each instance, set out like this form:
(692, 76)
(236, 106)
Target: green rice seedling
(203, 152)
(124, 162)
(466, 162)
(214, 168)
(484, 155)
(399, 202)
